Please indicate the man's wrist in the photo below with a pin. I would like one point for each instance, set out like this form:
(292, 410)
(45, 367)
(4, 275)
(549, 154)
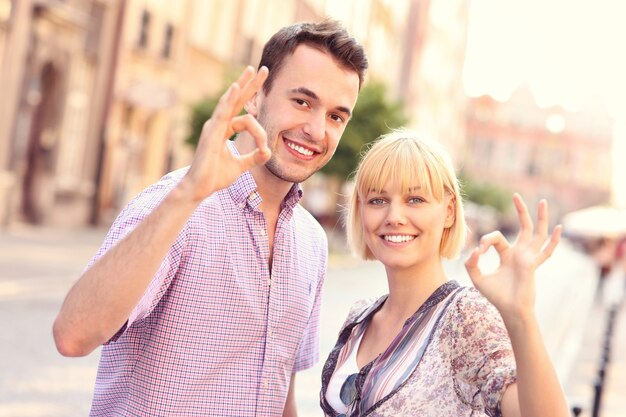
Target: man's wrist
(185, 196)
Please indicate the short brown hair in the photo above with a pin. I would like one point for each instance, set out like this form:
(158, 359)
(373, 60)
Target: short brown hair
(327, 36)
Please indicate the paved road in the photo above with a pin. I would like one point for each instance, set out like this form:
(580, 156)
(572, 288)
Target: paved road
(37, 267)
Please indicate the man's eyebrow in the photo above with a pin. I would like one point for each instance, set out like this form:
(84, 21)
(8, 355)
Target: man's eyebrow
(312, 95)
(306, 92)
(345, 110)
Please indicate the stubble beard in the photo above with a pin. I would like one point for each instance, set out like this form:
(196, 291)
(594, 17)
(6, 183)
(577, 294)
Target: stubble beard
(273, 165)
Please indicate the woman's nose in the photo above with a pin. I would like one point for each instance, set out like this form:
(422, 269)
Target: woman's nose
(395, 215)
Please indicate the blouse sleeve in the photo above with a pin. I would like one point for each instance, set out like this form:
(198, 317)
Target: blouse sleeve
(481, 355)
(357, 309)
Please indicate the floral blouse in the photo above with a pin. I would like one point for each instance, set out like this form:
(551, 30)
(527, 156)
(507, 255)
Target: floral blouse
(465, 366)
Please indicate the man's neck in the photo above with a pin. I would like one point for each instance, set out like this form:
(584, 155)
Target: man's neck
(271, 188)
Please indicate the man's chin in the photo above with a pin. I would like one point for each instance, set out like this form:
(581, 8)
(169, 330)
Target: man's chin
(286, 174)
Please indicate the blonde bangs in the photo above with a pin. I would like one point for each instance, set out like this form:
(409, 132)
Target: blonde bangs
(400, 162)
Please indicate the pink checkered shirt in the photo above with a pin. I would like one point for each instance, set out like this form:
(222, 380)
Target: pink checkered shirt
(217, 334)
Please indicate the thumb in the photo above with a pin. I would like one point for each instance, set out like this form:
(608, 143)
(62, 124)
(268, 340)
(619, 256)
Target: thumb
(261, 155)
(254, 158)
(471, 265)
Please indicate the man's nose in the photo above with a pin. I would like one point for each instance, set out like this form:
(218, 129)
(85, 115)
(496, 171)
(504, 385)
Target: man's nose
(315, 127)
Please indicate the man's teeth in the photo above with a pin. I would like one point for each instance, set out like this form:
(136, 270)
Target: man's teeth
(398, 238)
(300, 149)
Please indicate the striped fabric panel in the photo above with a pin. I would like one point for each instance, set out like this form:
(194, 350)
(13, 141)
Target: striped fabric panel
(401, 358)
(396, 364)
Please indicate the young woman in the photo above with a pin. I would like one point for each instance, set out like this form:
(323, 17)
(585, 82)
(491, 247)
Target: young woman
(431, 347)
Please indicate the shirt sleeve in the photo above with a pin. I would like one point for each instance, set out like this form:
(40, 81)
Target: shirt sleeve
(309, 351)
(127, 220)
(482, 357)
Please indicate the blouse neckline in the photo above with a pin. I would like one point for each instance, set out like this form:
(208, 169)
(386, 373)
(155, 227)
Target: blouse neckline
(398, 353)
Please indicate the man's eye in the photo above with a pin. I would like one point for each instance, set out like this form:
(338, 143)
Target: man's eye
(337, 118)
(301, 102)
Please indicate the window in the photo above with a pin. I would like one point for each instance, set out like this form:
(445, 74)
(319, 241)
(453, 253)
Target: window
(92, 42)
(144, 30)
(168, 37)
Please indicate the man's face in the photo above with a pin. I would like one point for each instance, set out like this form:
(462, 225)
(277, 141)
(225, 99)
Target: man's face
(306, 112)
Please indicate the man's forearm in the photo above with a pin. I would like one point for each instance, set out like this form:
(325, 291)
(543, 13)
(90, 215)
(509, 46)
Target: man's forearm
(290, 405)
(102, 299)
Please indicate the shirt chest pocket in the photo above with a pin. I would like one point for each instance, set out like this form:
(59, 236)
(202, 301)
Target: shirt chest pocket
(300, 297)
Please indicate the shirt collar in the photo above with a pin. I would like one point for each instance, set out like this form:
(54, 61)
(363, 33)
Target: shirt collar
(244, 190)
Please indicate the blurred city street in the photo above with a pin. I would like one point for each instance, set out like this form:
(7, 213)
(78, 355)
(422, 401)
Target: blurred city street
(39, 265)
(100, 99)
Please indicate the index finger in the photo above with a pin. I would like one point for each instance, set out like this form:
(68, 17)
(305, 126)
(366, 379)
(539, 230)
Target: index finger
(495, 239)
(249, 84)
(526, 223)
(542, 219)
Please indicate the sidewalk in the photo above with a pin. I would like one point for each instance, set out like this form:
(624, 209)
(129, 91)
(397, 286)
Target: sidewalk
(37, 268)
(580, 385)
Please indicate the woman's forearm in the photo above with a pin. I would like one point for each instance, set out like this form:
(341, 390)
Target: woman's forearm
(539, 392)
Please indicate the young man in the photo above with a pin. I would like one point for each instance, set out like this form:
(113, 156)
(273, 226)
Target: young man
(206, 292)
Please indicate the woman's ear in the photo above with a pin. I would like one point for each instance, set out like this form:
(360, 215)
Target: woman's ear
(450, 211)
(252, 105)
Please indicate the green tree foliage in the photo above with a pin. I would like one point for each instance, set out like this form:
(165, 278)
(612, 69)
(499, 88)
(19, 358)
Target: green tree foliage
(200, 113)
(486, 194)
(373, 116)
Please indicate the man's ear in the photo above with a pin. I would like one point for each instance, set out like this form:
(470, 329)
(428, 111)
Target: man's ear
(252, 105)
(450, 212)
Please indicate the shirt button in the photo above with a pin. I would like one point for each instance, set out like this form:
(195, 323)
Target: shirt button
(270, 333)
(262, 232)
(264, 383)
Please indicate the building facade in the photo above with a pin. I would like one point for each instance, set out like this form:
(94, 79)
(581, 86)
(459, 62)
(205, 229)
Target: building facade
(55, 69)
(97, 94)
(211, 41)
(431, 74)
(549, 153)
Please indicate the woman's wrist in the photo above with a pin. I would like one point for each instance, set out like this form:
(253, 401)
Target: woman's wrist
(520, 320)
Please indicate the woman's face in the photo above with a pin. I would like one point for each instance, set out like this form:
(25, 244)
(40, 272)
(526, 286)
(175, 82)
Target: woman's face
(404, 229)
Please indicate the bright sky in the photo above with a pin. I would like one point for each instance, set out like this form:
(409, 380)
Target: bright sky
(566, 50)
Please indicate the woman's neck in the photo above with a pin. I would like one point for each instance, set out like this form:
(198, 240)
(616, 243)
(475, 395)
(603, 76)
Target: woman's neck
(410, 288)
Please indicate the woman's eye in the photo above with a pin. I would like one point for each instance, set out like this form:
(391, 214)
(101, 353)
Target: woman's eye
(416, 200)
(376, 201)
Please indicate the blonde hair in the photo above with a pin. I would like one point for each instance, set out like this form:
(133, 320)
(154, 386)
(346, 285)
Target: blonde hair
(404, 158)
